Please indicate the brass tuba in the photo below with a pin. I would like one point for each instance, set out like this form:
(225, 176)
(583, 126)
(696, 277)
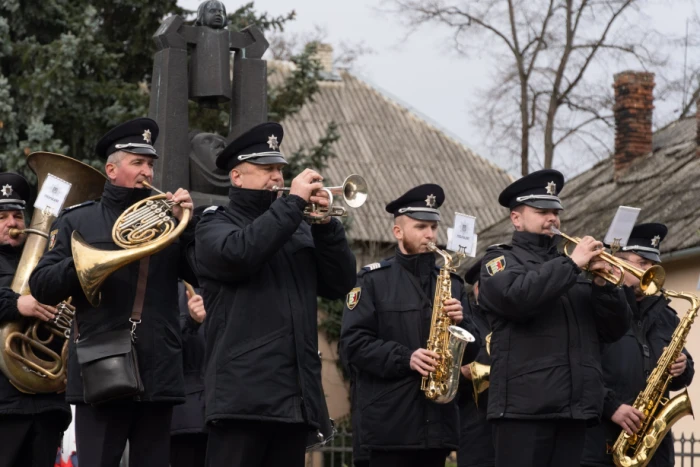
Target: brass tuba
(660, 413)
(144, 229)
(446, 340)
(25, 357)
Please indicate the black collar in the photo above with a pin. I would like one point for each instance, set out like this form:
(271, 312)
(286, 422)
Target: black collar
(9, 251)
(250, 203)
(542, 245)
(419, 265)
(119, 198)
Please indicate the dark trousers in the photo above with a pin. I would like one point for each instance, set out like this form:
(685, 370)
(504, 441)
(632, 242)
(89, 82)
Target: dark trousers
(248, 443)
(412, 458)
(101, 434)
(538, 443)
(188, 450)
(30, 440)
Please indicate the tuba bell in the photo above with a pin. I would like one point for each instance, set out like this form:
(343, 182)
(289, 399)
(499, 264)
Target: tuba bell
(27, 358)
(144, 229)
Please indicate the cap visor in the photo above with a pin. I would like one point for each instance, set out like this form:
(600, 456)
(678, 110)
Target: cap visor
(142, 152)
(11, 207)
(647, 255)
(544, 204)
(424, 216)
(267, 160)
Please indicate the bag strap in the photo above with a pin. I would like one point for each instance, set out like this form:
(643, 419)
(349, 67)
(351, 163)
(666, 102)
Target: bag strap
(140, 297)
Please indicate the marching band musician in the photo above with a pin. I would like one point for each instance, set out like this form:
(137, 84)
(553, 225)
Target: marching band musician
(628, 362)
(260, 268)
(386, 324)
(147, 287)
(476, 439)
(547, 322)
(31, 425)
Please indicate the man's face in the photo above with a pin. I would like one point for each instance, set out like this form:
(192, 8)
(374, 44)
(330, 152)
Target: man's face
(534, 220)
(214, 14)
(638, 262)
(130, 171)
(414, 235)
(257, 176)
(11, 220)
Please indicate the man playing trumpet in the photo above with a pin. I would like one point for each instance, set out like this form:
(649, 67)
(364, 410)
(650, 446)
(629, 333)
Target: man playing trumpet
(30, 424)
(260, 268)
(547, 324)
(146, 288)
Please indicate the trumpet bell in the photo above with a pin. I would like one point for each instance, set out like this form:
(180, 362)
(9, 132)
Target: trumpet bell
(355, 191)
(480, 378)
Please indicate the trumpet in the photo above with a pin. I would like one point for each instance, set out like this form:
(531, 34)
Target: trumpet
(650, 281)
(354, 193)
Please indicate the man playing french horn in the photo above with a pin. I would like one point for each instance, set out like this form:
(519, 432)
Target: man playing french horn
(125, 369)
(30, 424)
(385, 332)
(260, 268)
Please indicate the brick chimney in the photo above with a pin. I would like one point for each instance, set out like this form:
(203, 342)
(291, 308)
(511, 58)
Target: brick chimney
(634, 103)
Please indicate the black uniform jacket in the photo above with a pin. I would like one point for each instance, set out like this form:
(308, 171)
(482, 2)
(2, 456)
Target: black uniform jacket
(625, 370)
(390, 321)
(475, 439)
(548, 323)
(12, 401)
(189, 417)
(261, 268)
(158, 341)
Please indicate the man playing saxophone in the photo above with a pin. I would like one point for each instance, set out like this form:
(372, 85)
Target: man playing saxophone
(628, 362)
(386, 325)
(140, 297)
(31, 425)
(260, 268)
(547, 323)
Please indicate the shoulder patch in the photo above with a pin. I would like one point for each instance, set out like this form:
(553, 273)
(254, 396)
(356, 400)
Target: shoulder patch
(499, 246)
(52, 239)
(496, 265)
(76, 206)
(353, 298)
(212, 209)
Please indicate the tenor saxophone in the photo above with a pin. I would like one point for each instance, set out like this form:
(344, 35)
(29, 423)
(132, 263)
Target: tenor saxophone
(660, 412)
(446, 340)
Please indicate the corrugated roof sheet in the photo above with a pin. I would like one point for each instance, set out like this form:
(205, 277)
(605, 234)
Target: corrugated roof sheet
(394, 150)
(665, 185)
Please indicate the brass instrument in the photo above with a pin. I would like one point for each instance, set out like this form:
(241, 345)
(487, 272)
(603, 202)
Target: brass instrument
(481, 373)
(144, 229)
(446, 340)
(660, 412)
(650, 281)
(354, 193)
(26, 357)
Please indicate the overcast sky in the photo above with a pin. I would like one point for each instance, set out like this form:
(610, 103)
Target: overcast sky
(421, 71)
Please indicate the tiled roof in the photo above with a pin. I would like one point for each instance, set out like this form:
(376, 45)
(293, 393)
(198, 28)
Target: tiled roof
(665, 185)
(395, 150)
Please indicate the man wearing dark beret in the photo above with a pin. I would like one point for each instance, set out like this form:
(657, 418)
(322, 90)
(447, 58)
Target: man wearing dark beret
(386, 324)
(475, 440)
(260, 269)
(31, 425)
(628, 362)
(145, 288)
(547, 324)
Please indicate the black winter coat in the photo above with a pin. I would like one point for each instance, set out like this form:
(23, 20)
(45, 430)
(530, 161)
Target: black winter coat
(625, 376)
(389, 322)
(189, 417)
(261, 267)
(475, 439)
(12, 401)
(548, 323)
(158, 341)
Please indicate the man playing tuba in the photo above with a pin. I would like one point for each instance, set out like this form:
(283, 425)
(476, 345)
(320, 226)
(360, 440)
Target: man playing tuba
(138, 301)
(31, 425)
